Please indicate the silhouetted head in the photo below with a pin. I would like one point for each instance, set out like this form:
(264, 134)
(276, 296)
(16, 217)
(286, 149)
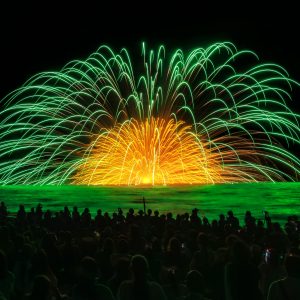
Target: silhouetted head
(169, 215)
(41, 288)
(230, 213)
(230, 239)
(200, 259)
(174, 245)
(122, 246)
(88, 268)
(139, 267)
(202, 239)
(240, 252)
(205, 220)
(214, 223)
(260, 224)
(195, 282)
(195, 211)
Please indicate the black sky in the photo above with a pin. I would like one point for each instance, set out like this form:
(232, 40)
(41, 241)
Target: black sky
(45, 36)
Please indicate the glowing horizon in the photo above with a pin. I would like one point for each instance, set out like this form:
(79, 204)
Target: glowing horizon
(193, 118)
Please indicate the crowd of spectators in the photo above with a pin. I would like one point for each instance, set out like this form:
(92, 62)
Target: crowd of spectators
(146, 255)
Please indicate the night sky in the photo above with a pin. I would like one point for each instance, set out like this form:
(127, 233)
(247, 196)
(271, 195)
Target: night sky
(44, 37)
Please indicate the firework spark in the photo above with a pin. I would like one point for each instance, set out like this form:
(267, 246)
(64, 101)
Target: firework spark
(200, 117)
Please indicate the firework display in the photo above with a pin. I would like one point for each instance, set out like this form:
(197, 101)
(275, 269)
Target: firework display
(211, 115)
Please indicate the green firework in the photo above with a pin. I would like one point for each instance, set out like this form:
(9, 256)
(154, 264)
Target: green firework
(234, 103)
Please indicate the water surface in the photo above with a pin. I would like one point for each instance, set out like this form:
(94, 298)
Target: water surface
(279, 199)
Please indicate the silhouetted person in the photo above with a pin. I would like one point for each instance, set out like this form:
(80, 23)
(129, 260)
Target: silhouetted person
(70, 258)
(130, 216)
(48, 218)
(75, 217)
(39, 213)
(140, 287)
(241, 275)
(201, 247)
(121, 273)
(87, 287)
(41, 289)
(222, 221)
(201, 261)
(122, 250)
(31, 216)
(155, 257)
(136, 240)
(86, 218)
(103, 258)
(7, 278)
(232, 221)
(99, 220)
(67, 213)
(171, 284)
(195, 219)
(40, 266)
(287, 288)
(3, 210)
(205, 224)
(175, 258)
(249, 222)
(49, 244)
(195, 285)
(21, 216)
(268, 219)
(271, 269)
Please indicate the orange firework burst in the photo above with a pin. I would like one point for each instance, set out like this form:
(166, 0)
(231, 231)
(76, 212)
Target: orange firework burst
(155, 151)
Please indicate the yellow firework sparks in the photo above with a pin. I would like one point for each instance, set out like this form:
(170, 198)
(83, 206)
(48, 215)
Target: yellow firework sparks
(160, 152)
(155, 151)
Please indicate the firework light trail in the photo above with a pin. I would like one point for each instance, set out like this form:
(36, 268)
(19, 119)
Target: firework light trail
(212, 115)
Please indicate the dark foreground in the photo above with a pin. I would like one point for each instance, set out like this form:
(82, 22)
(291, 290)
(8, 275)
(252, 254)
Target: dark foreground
(71, 255)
